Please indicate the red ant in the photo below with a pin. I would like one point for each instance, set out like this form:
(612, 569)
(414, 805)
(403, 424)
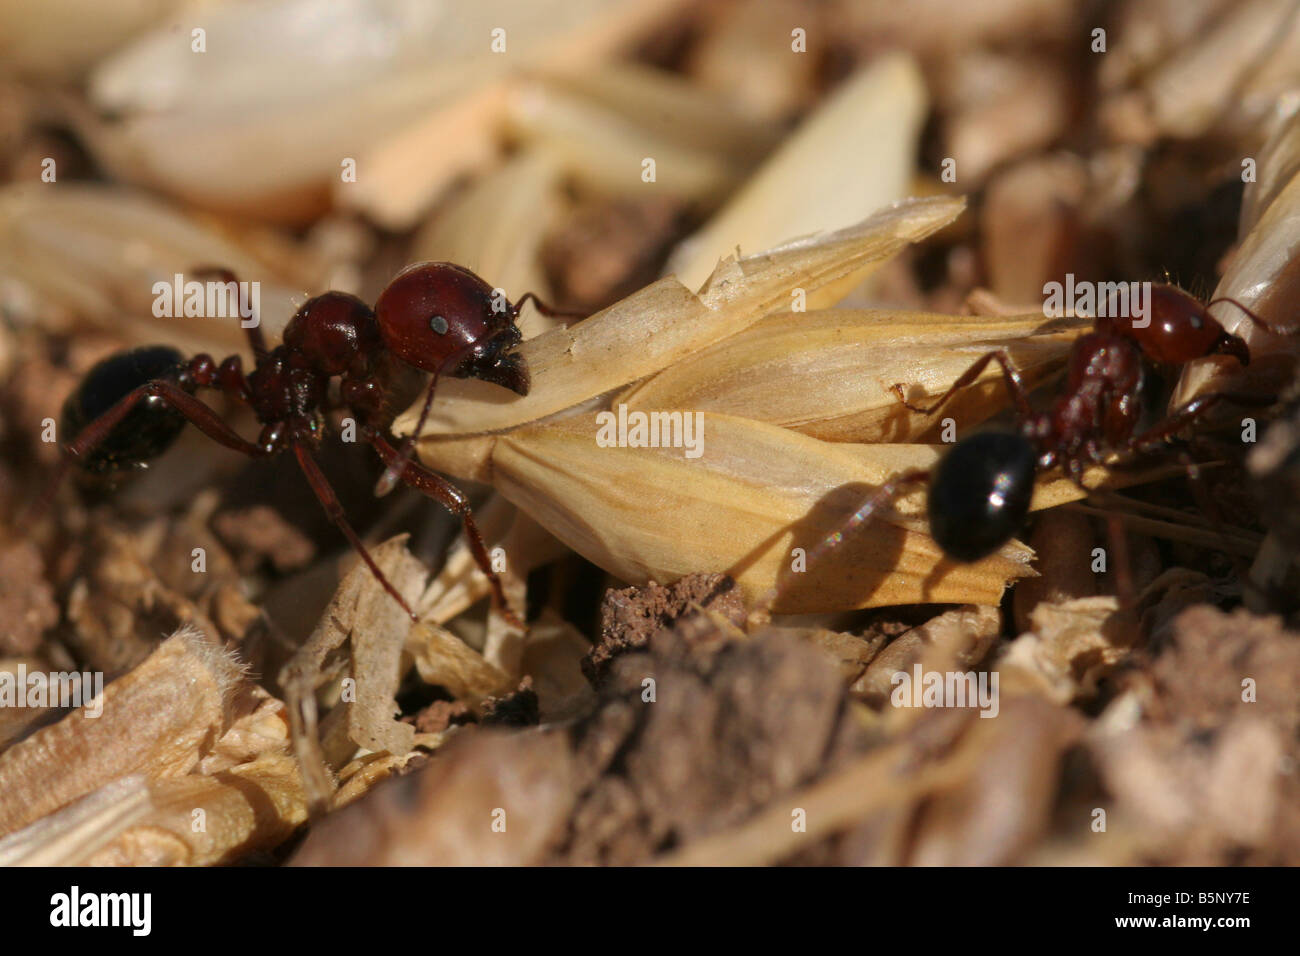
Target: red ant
(434, 316)
(979, 493)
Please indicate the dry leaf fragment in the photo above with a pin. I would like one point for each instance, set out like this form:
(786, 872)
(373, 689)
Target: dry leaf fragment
(443, 658)
(365, 614)
(1073, 643)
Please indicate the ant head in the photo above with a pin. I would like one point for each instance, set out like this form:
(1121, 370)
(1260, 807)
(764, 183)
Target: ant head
(979, 494)
(1181, 330)
(442, 318)
(331, 332)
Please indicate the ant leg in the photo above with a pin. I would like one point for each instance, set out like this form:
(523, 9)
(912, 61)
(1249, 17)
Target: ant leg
(1205, 501)
(88, 439)
(330, 502)
(256, 340)
(393, 473)
(1124, 589)
(1186, 415)
(545, 309)
(454, 500)
(1010, 374)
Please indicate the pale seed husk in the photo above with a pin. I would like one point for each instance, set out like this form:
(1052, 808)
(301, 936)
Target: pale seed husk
(830, 373)
(756, 492)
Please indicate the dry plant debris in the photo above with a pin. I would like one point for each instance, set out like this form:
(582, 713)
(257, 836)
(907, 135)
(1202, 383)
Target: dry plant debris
(774, 221)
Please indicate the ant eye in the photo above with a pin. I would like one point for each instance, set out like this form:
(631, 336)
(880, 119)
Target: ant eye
(439, 324)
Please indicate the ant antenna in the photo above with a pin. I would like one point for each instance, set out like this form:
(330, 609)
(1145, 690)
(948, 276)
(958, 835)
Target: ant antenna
(878, 499)
(1274, 329)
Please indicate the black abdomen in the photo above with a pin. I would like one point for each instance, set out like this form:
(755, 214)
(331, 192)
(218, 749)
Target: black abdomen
(147, 431)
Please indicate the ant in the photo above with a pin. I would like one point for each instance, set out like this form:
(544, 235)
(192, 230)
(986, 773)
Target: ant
(980, 491)
(436, 317)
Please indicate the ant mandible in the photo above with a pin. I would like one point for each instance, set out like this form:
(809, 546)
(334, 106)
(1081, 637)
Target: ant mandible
(980, 491)
(437, 317)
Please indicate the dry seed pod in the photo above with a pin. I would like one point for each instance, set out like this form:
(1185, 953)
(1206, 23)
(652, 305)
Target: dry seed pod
(409, 168)
(754, 492)
(830, 374)
(248, 807)
(97, 251)
(15, 722)
(604, 151)
(665, 322)
(137, 822)
(1276, 166)
(670, 106)
(815, 179)
(1263, 275)
(157, 720)
(607, 504)
(1001, 107)
(723, 60)
(260, 122)
(1198, 82)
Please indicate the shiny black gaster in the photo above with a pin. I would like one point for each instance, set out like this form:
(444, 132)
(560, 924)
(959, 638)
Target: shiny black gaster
(147, 431)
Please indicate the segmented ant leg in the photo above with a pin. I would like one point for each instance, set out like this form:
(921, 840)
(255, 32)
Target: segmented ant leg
(454, 500)
(199, 415)
(545, 309)
(1185, 415)
(1205, 500)
(1073, 468)
(330, 502)
(392, 474)
(1180, 419)
(1010, 374)
(256, 340)
(881, 497)
(1118, 537)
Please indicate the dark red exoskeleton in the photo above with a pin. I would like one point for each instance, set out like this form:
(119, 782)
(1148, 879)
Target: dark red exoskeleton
(437, 317)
